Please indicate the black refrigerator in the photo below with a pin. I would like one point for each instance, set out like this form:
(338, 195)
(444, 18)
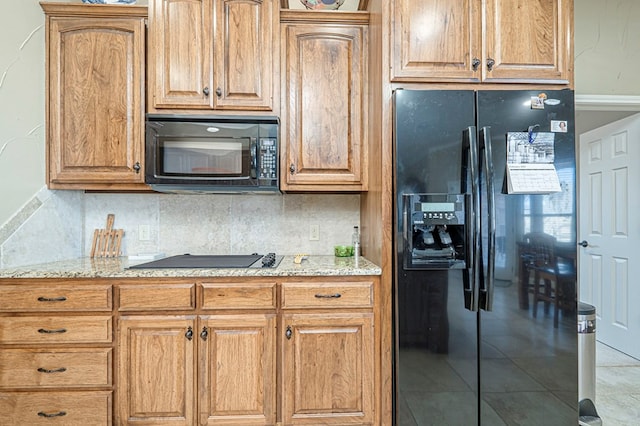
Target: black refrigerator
(468, 347)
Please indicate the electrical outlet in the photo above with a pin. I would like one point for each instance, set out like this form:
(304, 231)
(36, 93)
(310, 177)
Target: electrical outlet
(144, 232)
(314, 233)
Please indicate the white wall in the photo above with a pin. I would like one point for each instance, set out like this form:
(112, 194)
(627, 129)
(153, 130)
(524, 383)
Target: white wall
(22, 132)
(607, 58)
(607, 47)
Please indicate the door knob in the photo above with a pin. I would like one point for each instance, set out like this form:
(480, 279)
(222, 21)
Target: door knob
(584, 243)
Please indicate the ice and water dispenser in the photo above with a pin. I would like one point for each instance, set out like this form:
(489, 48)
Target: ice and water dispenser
(434, 231)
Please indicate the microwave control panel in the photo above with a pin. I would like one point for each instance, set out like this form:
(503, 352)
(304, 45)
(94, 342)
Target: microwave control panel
(268, 153)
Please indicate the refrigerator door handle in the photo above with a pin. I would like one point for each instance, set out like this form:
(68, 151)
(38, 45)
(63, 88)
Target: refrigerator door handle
(486, 293)
(472, 219)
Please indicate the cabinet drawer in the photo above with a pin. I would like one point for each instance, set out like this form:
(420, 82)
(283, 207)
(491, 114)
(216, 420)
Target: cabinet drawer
(157, 297)
(28, 368)
(56, 408)
(328, 295)
(238, 296)
(55, 330)
(46, 298)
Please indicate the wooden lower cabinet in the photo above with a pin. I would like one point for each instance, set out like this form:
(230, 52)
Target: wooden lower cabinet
(230, 352)
(55, 408)
(328, 368)
(237, 370)
(56, 352)
(156, 370)
(188, 370)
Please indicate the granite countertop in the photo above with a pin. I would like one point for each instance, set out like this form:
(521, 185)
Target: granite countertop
(118, 268)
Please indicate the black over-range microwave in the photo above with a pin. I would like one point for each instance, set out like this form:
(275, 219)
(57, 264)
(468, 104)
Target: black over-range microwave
(191, 153)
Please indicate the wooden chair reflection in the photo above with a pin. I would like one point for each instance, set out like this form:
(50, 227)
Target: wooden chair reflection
(554, 276)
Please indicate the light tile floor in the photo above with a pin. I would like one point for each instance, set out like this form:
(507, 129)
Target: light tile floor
(617, 387)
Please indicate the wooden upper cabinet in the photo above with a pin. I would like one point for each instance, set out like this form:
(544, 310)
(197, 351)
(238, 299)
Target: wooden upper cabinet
(436, 40)
(95, 68)
(212, 54)
(324, 109)
(474, 41)
(529, 41)
(244, 46)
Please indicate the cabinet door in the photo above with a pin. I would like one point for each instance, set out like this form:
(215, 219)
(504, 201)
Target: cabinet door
(324, 118)
(156, 370)
(436, 40)
(237, 370)
(96, 113)
(528, 41)
(243, 53)
(180, 46)
(328, 368)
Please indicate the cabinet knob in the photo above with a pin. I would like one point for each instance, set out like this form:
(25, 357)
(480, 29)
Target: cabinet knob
(205, 91)
(219, 92)
(204, 333)
(288, 333)
(189, 333)
(137, 167)
(490, 63)
(475, 63)
(292, 168)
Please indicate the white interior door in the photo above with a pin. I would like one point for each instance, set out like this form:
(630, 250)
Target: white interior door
(609, 215)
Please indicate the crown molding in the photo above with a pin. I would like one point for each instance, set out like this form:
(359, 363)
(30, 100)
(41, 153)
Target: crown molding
(607, 103)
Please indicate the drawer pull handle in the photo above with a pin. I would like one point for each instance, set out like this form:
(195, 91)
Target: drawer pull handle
(328, 296)
(57, 370)
(58, 414)
(204, 333)
(52, 299)
(58, 331)
(288, 333)
(189, 333)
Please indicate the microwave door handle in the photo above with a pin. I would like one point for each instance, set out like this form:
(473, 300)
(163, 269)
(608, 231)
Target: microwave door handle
(488, 290)
(254, 158)
(470, 161)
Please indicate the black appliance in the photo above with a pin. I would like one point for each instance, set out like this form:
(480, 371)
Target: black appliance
(269, 260)
(468, 349)
(187, 153)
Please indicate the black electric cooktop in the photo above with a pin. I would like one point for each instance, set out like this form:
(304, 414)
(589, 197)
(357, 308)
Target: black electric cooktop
(213, 261)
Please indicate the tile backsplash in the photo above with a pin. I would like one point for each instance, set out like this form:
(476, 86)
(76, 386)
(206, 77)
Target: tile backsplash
(62, 225)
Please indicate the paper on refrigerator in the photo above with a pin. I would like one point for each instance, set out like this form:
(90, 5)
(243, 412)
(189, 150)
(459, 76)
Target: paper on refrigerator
(530, 168)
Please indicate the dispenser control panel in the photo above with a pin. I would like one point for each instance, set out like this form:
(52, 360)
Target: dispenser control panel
(435, 233)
